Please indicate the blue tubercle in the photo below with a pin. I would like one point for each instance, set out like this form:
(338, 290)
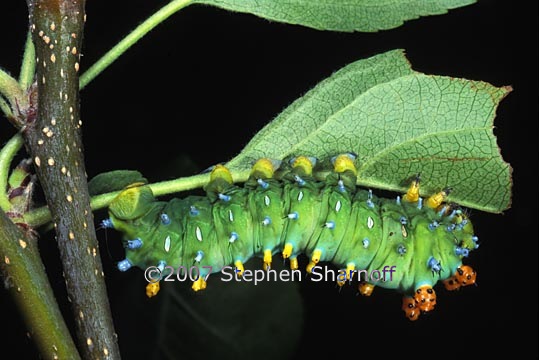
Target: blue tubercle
(475, 240)
(199, 256)
(462, 224)
(161, 265)
(420, 203)
(165, 219)
(263, 184)
(433, 225)
(134, 244)
(366, 242)
(401, 249)
(293, 216)
(442, 212)
(124, 265)
(107, 224)
(330, 225)
(454, 213)
(369, 200)
(299, 180)
(224, 197)
(434, 265)
(340, 185)
(460, 251)
(233, 237)
(193, 211)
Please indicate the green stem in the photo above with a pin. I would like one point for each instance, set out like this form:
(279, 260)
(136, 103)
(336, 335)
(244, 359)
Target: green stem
(141, 30)
(7, 153)
(24, 276)
(10, 89)
(42, 215)
(28, 66)
(4, 106)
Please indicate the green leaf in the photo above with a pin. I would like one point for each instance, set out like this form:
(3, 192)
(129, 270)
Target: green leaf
(234, 320)
(349, 15)
(399, 125)
(307, 114)
(113, 181)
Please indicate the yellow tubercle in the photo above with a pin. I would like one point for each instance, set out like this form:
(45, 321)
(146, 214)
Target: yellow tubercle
(344, 163)
(310, 266)
(199, 284)
(412, 195)
(365, 288)
(294, 263)
(267, 259)
(350, 271)
(264, 167)
(239, 267)
(221, 172)
(436, 200)
(287, 251)
(304, 163)
(316, 256)
(152, 289)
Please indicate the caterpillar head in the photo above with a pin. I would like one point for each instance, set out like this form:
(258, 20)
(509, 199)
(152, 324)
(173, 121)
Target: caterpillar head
(131, 204)
(133, 213)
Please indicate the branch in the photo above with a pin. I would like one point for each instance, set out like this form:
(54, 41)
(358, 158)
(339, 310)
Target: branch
(25, 277)
(55, 144)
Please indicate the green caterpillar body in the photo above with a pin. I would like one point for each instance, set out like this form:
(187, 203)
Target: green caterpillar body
(293, 213)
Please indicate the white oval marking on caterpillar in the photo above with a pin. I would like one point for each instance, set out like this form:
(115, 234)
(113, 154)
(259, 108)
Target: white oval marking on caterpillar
(370, 222)
(230, 215)
(338, 206)
(300, 195)
(167, 244)
(198, 233)
(266, 200)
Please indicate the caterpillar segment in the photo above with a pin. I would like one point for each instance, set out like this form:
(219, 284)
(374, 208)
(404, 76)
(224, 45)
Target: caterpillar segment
(283, 210)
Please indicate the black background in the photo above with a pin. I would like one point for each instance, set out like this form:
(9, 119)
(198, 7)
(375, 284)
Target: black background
(197, 88)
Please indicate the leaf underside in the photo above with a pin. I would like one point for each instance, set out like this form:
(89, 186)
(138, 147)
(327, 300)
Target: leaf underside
(400, 123)
(113, 181)
(350, 15)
